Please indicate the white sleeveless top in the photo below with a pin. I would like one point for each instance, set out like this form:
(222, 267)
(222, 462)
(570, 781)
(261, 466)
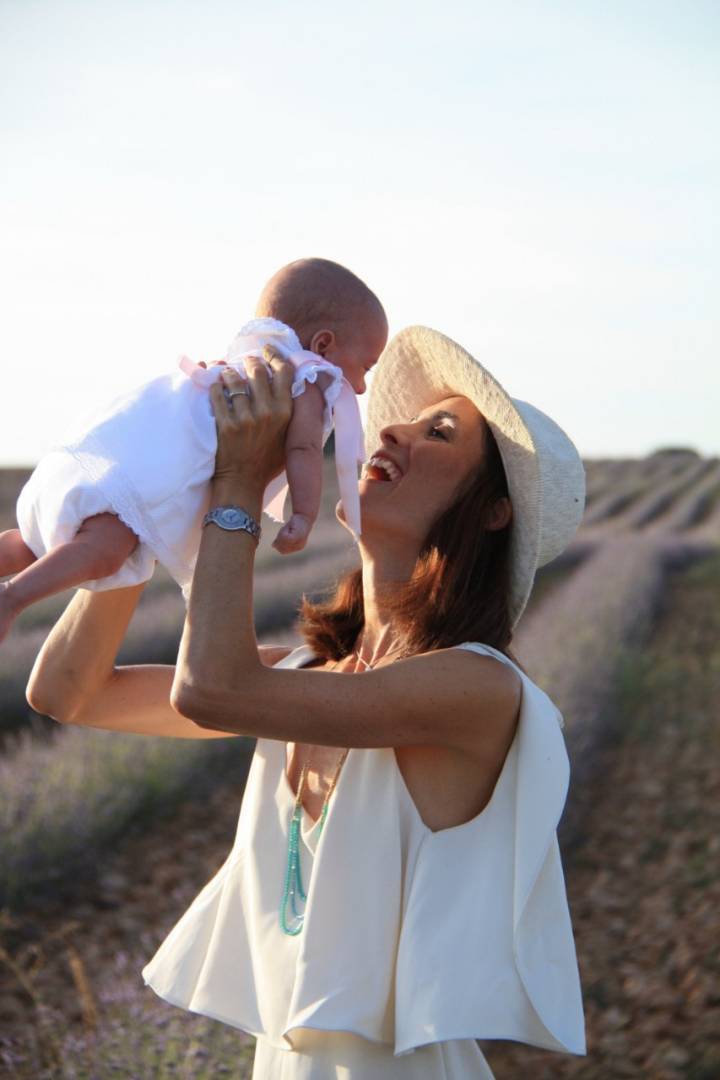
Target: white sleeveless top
(410, 936)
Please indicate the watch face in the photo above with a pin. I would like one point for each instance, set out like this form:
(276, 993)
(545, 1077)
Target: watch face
(232, 518)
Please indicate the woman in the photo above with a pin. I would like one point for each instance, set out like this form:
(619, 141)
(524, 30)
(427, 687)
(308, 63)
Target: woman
(395, 889)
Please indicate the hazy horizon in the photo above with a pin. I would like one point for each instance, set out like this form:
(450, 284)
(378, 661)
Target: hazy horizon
(537, 181)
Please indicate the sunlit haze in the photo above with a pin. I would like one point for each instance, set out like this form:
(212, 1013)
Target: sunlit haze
(537, 180)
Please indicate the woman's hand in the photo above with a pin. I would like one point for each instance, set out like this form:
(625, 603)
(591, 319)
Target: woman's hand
(252, 416)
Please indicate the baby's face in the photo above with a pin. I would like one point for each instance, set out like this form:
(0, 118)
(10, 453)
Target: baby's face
(356, 348)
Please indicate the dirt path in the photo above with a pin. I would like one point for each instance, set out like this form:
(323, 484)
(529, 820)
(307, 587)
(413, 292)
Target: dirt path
(644, 893)
(644, 889)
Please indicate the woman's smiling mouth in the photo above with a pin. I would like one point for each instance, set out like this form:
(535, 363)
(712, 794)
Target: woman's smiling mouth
(380, 467)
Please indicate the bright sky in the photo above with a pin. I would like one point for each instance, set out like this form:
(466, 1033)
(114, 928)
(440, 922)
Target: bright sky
(537, 180)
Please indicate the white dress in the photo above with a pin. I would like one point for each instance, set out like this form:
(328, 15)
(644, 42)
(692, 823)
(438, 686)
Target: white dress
(149, 455)
(415, 943)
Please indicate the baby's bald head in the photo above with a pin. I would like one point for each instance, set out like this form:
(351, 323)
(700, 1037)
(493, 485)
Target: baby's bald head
(332, 312)
(315, 294)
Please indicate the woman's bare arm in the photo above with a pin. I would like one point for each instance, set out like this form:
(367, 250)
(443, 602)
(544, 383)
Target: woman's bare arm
(75, 679)
(448, 697)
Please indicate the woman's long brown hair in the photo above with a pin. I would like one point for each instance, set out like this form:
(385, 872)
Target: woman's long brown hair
(457, 592)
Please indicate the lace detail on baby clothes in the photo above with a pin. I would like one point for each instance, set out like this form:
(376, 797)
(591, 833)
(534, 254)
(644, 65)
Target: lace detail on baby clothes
(341, 407)
(125, 501)
(256, 334)
(308, 372)
(250, 341)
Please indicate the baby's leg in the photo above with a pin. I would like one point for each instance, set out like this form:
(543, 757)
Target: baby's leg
(303, 465)
(98, 549)
(14, 553)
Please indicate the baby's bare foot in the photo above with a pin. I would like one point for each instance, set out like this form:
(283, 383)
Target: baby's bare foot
(7, 610)
(293, 535)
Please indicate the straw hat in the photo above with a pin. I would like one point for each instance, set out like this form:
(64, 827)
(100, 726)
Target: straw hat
(545, 476)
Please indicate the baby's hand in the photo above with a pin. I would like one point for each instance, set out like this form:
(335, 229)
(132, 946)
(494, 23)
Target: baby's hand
(293, 535)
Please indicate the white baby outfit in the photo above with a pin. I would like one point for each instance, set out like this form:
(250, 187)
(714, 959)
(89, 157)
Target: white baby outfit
(414, 944)
(149, 455)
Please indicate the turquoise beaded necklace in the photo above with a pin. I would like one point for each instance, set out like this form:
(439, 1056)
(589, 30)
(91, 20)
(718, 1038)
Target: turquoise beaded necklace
(293, 889)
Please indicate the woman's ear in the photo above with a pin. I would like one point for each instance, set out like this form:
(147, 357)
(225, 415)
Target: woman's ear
(321, 341)
(500, 515)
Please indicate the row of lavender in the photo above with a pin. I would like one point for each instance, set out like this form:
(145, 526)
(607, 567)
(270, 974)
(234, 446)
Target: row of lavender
(671, 491)
(601, 597)
(63, 798)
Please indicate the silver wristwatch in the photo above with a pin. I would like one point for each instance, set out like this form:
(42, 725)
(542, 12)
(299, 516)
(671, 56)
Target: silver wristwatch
(233, 517)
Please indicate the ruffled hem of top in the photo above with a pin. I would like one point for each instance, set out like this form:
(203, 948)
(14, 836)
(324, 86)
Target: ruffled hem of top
(447, 973)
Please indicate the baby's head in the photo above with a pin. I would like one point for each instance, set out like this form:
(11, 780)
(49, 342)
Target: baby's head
(332, 312)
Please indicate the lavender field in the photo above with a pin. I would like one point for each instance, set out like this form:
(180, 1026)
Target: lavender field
(137, 819)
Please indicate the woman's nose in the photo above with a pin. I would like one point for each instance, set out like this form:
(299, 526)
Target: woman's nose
(395, 433)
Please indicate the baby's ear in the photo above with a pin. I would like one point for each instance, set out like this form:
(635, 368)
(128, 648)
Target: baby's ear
(321, 341)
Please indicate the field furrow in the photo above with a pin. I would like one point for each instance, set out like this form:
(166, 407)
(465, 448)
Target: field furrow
(604, 609)
(639, 499)
(644, 884)
(657, 506)
(693, 506)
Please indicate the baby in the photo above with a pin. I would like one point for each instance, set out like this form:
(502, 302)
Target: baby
(133, 487)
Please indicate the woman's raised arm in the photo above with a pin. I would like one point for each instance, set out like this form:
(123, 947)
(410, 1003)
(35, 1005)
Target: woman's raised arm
(74, 678)
(448, 696)
(75, 681)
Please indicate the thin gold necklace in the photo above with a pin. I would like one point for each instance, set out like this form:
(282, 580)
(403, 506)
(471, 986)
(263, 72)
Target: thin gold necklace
(370, 666)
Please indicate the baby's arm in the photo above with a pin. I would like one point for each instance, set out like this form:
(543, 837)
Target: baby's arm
(303, 466)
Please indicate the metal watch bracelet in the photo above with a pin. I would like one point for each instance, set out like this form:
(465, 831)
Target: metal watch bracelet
(233, 518)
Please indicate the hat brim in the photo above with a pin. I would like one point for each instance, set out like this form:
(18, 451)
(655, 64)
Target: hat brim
(421, 366)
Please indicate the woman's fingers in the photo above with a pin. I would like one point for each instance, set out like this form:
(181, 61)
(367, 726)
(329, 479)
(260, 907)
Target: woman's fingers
(222, 405)
(258, 383)
(283, 374)
(236, 391)
(252, 415)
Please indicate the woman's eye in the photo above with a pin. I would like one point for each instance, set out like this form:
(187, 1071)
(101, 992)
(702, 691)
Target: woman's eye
(435, 429)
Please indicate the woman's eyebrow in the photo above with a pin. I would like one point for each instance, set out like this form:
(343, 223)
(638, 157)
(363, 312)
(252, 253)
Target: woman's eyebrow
(441, 414)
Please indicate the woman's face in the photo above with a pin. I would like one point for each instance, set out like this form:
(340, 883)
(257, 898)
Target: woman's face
(420, 468)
